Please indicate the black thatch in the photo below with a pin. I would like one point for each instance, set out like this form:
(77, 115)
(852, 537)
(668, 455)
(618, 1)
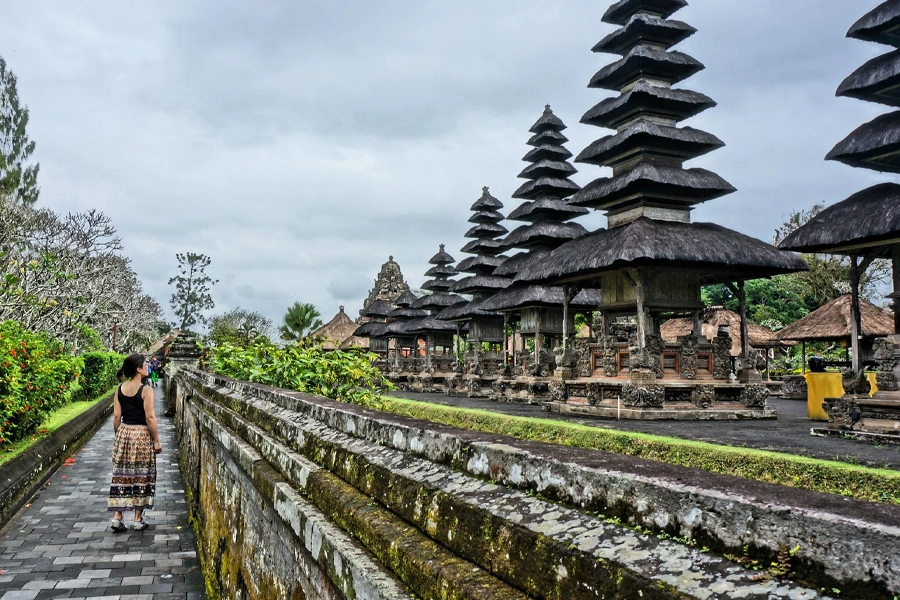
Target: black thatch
(515, 263)
(645, 137)
(519, 296)
(437, 301)
(547, 152)
(486, 202)
(690, 186)
(875, 145)
(464, 311)
(479, 283)
(441, 258)
(543, 233)
(483, 245)
(486, 216)
(620, 12)
(547, 209)
(486, 230)
(480, 263)
(882, 25)
(379, 308)
(877, 81)
(547, 122)
(437, 285)
(405, 312)
(647, 99)
(549, 137)
(438, 270)
(719, 253)
(426, 325)
(645, 28)
(370, 329)
(555, 186)
(646, 61)
(405, 299)
(545, 168)
(865, 218)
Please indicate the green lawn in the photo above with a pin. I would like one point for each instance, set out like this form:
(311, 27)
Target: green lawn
(865, 483)
(56, 420)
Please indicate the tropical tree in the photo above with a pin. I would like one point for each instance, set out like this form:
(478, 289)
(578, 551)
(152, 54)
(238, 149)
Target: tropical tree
(192, 285)
(17, 178)
(300, 320)
(239, 327)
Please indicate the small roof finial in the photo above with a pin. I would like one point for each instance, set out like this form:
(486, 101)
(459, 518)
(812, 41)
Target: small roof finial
(547, 108)
(442, 247)
(391, 257)
(486, 190)
(342, 308)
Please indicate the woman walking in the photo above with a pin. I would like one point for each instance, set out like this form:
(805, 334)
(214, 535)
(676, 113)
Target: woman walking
(136, 446)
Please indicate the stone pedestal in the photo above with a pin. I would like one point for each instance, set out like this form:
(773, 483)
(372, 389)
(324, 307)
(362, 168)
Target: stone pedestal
(182, 353)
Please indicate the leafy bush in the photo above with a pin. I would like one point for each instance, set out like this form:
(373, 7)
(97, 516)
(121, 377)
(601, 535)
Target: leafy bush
(339, 374)
(37, 375)
(99, 372)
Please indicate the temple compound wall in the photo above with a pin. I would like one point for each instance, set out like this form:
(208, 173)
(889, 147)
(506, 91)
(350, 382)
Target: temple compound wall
(295, 496)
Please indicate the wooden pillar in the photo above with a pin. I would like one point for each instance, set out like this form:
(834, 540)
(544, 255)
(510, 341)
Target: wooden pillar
(895, 262)
(803, 356)
(745, 336)
(638, 279)
(428, 352)
(538, 338)
(506, 340)
(460, 358)
(855, 321)
(565, 324)
(698, 323)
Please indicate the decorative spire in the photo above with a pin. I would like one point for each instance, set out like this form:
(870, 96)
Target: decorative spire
(440, 283)
(484, 246)
(648, 149)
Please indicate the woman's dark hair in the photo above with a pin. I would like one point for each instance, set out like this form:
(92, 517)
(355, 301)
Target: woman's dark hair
(130, 365)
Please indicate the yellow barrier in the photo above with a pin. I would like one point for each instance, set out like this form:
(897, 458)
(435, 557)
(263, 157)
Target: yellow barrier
(827, 385)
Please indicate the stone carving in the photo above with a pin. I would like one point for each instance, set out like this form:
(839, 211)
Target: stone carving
(557, 391)
(886, 381)
(582, 357)
(855, 383)
(754, 396)
(594, 391)
(689, 345)
(609, 349)
(655, 345)
(883, 351)
(643, 395)
(703, 396)
(842, 412)
(474, 386)
(389, 285)
(721, 356)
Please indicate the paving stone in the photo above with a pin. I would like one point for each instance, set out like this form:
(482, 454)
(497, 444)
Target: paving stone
(61, 546)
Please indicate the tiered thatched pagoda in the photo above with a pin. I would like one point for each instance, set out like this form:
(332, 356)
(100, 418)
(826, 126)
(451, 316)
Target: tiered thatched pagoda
(866, 226)
(403, 354)
(484, 356)
(652, 260)
(540, 313)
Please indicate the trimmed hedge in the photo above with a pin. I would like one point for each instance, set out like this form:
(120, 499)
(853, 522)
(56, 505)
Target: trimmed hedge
(99, 372)
(864, 483)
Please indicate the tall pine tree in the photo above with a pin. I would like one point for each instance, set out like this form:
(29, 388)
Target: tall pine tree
(192, 284)
(18, 179)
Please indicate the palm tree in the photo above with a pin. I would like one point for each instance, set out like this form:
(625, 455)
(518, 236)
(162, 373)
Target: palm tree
(300, 320)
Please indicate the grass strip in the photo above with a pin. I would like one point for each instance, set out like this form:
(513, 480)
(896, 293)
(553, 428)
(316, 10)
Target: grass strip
(56, 420)
(833, 477)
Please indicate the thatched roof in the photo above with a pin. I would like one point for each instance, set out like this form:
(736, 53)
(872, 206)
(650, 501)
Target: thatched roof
(645, 27)
(713, 317)
(480, 283)
(646, 61)
(486, 230)
(879, 25)
(719, 253)
(543, 233)
(647, 137)
(547, 122)
(620, 12)
(875, 81)
(480, 263)
(832, 322)
(556, 186)
(405, 299)
(515, 263)
(379, 308)
(528, 296)
(429, 324)
(547, 167)
(406, 312)
(464, 311)
(549, 209)
(483, 246)
(486, 202)
(370, 329)
(870, 218)
(336, 331)
(647, 99)
(437, 301)
(486, 216)
(874, 145)
(441, 258)
(547, 151)
(551, 137)
(651, 180)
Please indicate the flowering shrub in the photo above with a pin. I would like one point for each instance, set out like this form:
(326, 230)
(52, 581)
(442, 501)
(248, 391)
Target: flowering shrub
(99, 372)
(339, 374)
(37, 376)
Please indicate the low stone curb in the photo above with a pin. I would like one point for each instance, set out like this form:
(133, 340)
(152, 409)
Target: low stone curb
(23, 476)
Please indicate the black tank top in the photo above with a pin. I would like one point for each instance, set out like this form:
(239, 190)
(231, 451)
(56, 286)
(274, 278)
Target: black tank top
(132, 407)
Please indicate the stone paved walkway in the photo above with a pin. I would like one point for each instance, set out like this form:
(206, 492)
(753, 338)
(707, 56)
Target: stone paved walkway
(61, 546)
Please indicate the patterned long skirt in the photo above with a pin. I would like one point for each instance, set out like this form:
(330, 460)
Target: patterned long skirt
(134, 470)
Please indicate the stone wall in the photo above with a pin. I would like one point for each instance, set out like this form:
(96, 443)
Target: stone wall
(301, 497)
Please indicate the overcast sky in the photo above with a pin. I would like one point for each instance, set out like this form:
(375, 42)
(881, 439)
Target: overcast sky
(299, 143)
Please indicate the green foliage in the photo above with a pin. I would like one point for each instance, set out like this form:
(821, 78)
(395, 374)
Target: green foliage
(37, 376)
(16, 179)
(772, 303)
(343, 375)
(239, 327)
(192, 286)
(99, 372)
(876, 485)
(300, 320)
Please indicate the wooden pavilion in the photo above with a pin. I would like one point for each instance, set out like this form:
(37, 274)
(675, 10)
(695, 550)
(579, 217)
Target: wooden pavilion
(339, 333)
(652, 260)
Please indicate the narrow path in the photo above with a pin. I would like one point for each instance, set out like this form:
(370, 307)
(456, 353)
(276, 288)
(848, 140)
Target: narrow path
(61, 546)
